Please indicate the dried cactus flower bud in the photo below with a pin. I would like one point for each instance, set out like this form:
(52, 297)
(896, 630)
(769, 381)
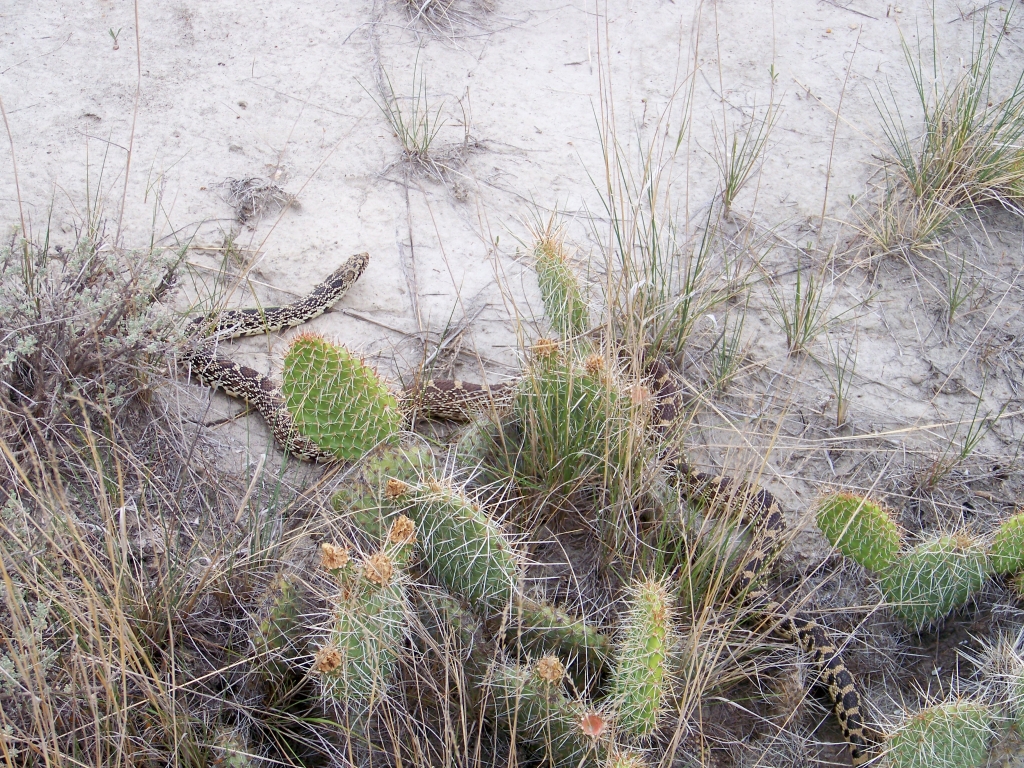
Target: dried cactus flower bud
(333, 557)
(544, 348)
(434, 486)
(550, 670)
(403, 531)
(594, 364)
(378, 569)
(395, 489)
(593, 724)
(327, 659)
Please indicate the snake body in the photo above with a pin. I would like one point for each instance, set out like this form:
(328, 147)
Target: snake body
(764, 514)
(455, 399)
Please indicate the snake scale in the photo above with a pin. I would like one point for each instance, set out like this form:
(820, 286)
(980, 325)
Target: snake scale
(456, 399)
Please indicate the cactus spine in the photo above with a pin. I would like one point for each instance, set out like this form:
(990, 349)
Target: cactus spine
(934, 578)
(951, 735)
(336, 400)
(859, 529)
(1008, 546)
(640, 676)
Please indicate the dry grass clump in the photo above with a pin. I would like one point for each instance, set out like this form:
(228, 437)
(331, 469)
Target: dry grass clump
(82, 326)
(253, 198)
(970, 152)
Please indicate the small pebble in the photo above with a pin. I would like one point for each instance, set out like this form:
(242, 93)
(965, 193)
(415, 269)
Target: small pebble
(916, 378)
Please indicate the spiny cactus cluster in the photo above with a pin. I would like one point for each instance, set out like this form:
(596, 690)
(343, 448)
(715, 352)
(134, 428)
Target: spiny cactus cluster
(576, 421)
(924, 583)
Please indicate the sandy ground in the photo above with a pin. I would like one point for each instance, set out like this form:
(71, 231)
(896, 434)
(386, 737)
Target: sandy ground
(528, 96)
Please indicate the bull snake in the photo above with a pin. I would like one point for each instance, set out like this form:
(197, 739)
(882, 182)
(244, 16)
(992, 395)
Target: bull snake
(456, 399)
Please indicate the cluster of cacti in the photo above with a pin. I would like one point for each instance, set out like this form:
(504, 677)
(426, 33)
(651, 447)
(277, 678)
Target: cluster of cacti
(564, 302)
(357, 660)
(926, 582)
(530, 702)
(336, 400)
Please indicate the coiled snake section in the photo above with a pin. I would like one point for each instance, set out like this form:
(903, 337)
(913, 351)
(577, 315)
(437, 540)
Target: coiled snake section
(763, 513)
(457, 399)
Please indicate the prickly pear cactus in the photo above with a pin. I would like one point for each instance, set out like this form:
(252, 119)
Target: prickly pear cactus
(934, 578)
(576, 423)
(860, 529)
(1007, 550)
(337, 400)
(952, 735)
(564, 303)
(375, 492)
(463, 547)
(280, 637)
(532, 705)
(640, 676)
(541, 628)
(357, 661)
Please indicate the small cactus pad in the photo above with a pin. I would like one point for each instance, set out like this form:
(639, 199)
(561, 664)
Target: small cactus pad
(952, 735)
(357, 661)
(860, 529)
(337, 400)
(640, 677)
(463, 547)
(1007, 551)
(375, 491)
(934, 578)
(564, 303)
(531, 704)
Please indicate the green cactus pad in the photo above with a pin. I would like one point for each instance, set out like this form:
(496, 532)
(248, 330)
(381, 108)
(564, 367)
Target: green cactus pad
(934, 578)
(540, 716)
(1007, 551)
(640, 678)
(564, 303)
(953, 735)
(358, 660)
(337, 400)
(860, 529)
(463, 547)
(542, 628)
